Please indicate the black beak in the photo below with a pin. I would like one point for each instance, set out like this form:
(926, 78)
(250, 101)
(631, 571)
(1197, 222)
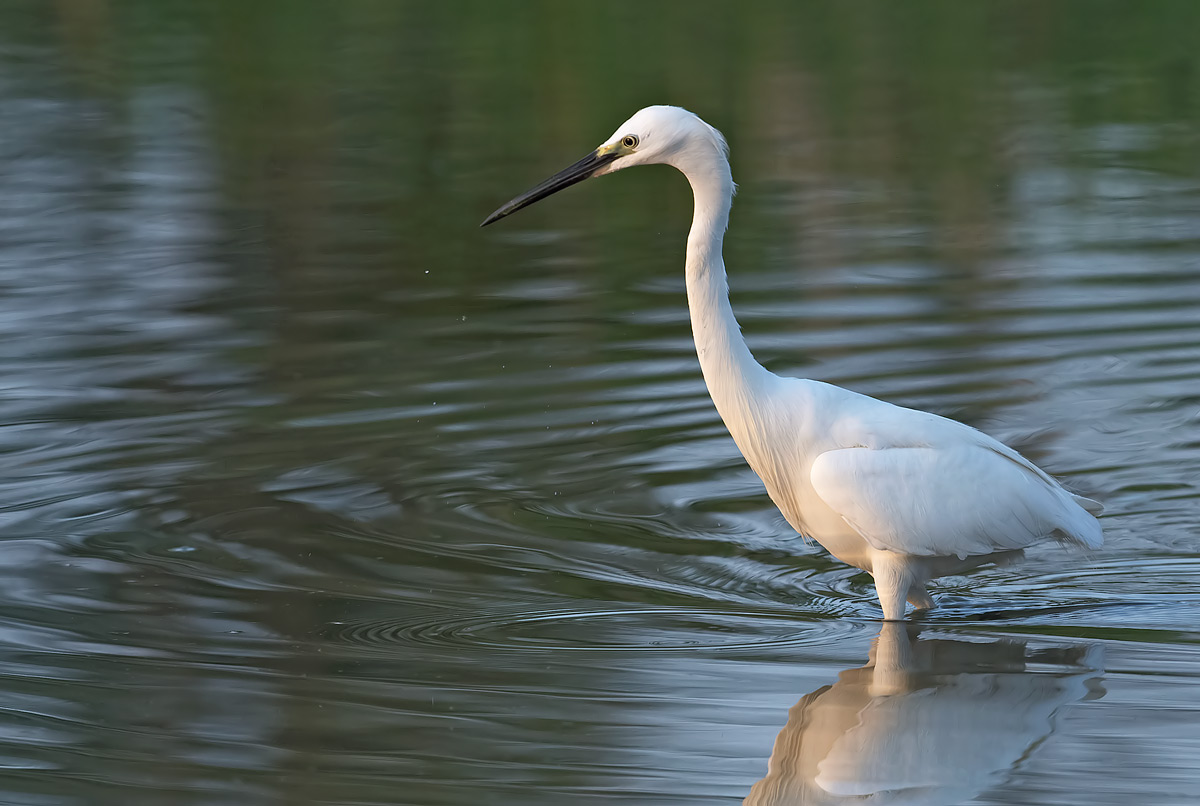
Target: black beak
(578, 172)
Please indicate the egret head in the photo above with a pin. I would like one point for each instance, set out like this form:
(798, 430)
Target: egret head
(656, 134)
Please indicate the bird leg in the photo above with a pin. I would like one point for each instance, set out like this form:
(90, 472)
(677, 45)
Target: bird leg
(892, 582)
(919, 598)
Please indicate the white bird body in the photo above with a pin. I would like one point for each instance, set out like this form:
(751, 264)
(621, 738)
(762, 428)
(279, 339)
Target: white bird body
(864, 477)
(903, 494)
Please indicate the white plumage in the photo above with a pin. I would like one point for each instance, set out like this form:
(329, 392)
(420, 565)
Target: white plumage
(902, 494)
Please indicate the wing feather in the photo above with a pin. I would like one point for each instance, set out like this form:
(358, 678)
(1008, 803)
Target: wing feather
(967, 499)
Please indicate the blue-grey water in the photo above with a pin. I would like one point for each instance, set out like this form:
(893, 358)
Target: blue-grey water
(315, 493)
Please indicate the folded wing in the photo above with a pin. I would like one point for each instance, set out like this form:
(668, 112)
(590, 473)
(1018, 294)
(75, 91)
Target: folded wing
(966, 499)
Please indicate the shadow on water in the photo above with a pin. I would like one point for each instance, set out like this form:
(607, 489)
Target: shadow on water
(926, 721)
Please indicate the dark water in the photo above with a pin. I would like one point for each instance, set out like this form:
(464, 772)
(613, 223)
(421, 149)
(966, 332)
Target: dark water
(314, 493)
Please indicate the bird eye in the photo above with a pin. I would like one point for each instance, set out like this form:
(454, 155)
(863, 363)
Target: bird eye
(629, 141)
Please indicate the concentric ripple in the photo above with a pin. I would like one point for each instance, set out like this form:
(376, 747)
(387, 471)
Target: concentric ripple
(632, 629)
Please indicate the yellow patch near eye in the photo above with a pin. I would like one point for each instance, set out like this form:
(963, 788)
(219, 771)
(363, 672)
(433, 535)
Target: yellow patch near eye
(608, 149)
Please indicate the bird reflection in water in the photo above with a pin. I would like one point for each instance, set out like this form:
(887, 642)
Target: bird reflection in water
(932, 721)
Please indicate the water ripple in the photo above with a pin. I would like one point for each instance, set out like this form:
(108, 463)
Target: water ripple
(624, 629)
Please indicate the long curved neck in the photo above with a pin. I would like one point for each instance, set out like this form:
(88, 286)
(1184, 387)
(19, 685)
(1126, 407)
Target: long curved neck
(730, 371)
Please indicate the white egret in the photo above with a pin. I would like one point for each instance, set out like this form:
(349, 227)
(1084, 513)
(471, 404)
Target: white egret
(902, 494)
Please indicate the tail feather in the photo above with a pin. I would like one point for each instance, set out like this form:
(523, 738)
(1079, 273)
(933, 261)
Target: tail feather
(1092, 507)
(1082, 526)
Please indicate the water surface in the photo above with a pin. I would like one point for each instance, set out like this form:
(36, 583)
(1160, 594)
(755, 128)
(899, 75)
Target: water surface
(316, 494)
